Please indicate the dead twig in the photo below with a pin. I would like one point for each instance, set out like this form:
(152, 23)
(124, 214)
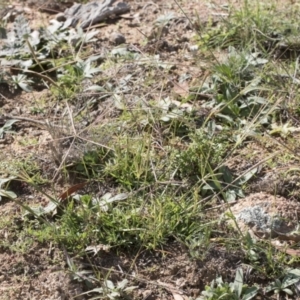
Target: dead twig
(44, 124)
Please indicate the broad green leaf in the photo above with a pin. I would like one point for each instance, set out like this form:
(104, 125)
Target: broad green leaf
(225, 117)
(119, 102)
(114, 295)
(230, 196)
(25, 87)
(7, 194)
(109, 284)
(226, 174)
(121, 285)
(97, 88)
(295, 272)
(288, 281)
(4, 180)
(6, 127)
(247, 176)
(130, 288)
(165, 119)
(250, 293)
(39, 211)
(238, 282)
(288, 291)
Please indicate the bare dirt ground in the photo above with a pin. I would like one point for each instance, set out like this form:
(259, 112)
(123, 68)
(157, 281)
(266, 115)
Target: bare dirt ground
(42, 272)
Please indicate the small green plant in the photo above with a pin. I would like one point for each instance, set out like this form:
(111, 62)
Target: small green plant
(229, 291)
(32, 169)
(3, 191)
(111, 291)
(22, 81)
(70, 76)
(6, 127)
(278, 286)
(237, 86)
(28, 50)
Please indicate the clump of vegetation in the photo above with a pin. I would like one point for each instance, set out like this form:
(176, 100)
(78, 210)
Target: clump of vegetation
(235, 290)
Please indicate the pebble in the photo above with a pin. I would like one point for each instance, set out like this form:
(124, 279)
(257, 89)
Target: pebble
(60, 17)
(117, 38)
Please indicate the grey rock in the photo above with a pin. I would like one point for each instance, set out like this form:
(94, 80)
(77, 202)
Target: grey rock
(117, 38)
(256, 216)
(94, 12)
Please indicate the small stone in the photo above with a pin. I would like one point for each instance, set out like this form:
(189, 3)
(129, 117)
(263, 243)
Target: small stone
(117, 38)
(193, 48)
(60, 17)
